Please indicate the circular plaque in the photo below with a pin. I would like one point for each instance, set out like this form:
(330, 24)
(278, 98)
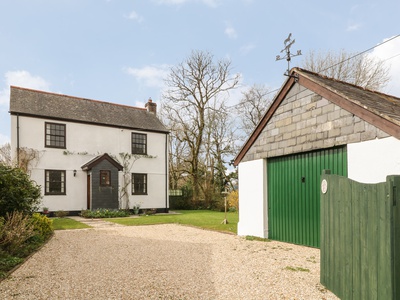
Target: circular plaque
(324, 186)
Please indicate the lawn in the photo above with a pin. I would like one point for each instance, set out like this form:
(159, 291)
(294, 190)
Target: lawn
(67, 223)
(206, 219)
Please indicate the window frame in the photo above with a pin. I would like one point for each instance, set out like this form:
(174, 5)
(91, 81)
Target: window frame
(144, 189)
(46, 145)
(108, 175)
(136, 142)
(63, 183)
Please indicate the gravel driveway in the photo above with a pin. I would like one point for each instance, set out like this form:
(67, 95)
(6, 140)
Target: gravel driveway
(165, 262)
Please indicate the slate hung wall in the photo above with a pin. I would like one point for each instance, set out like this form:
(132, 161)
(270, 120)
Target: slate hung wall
(305, 121)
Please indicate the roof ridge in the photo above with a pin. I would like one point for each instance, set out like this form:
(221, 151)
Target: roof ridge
(344, 82)
(77, 98)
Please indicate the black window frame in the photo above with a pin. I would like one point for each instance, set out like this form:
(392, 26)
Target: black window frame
(51, 140)
(139, 184)
(139, 143)
(49, 186)
(104, 182)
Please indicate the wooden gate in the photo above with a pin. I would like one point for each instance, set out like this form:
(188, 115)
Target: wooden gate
(360, 235)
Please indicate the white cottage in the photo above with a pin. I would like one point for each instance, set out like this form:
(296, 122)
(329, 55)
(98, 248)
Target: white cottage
(89, 154)
(314, 123)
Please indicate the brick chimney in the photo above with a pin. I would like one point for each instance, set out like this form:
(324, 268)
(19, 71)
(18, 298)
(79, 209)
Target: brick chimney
(151, 107)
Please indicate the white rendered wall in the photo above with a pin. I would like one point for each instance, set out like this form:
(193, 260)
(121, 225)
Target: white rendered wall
(372, 161)
(253, 198)
(83, 143)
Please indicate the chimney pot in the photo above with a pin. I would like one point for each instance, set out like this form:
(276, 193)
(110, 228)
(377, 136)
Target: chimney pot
(151, 107)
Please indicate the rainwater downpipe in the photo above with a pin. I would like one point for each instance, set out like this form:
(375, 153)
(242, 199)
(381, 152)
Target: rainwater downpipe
(18, 139)
(166, 173)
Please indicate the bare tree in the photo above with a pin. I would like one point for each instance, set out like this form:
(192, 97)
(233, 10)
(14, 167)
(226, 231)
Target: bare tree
(219, 148)
(362, 70)
(192, 87)
(5, 154)
(252, 107)
(178, 152)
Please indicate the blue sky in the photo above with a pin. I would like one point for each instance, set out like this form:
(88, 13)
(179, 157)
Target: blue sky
(119, 50)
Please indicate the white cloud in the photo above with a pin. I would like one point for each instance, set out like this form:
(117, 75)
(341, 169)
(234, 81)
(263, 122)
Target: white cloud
(390, 53)
(140, 104)
(246, 49)
(135, 16)
(23, 79)
(230, 31)
(153, 76)
(352, 26)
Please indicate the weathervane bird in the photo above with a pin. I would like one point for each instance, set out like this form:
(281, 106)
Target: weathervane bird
(288, 39)
(287, 47)
(288, 43)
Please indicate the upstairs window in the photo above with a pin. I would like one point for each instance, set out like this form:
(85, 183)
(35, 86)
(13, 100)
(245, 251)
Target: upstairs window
(54, 182)
(139, 184)
(139, 143)
(55, 135)
(105, 178)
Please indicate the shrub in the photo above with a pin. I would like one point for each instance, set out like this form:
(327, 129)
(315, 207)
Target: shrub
(105, 213)
(7, 262)
(14, 231)
(42, 226)
(61, 214)
(17, 191)
(233, 199)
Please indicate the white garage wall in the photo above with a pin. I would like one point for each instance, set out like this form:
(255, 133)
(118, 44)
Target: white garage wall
(368, 162)
(253, 198)
(372, 161)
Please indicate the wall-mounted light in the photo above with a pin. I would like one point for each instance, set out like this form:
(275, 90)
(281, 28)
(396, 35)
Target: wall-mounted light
(74, 173)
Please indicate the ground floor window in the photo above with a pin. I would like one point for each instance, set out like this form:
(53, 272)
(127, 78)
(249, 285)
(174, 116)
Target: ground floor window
(54, 182)
(105, 177)
(139, 184)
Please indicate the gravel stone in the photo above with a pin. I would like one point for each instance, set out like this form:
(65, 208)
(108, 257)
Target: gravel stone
(165, 262)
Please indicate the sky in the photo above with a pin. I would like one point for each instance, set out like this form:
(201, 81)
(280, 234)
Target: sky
(121, 50)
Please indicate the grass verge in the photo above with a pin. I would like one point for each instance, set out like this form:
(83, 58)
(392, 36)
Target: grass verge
(256, 238)
(206, 219)
(67, 223)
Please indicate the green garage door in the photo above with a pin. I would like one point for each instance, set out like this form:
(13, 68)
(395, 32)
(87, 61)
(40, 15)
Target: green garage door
(294, 191)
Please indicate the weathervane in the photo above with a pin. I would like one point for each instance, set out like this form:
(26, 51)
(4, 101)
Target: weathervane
(288, 56)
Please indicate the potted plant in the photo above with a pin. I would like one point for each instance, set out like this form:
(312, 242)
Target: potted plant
(45, 210)
(136, 207)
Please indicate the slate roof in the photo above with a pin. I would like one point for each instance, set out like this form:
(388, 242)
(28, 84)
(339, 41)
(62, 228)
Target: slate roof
(93, 162)
(378, 109)
(42, 104)
(386, 106)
